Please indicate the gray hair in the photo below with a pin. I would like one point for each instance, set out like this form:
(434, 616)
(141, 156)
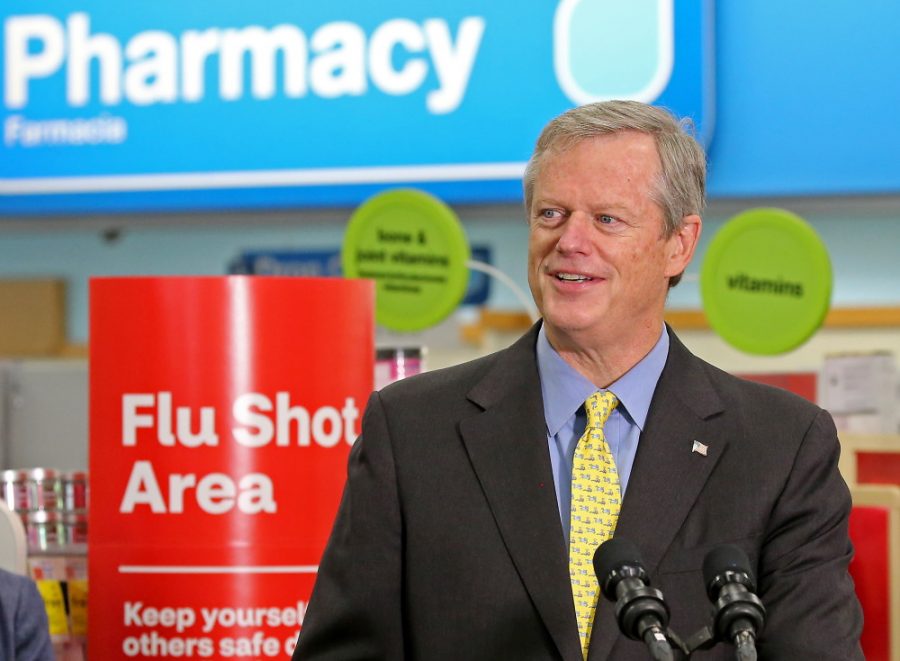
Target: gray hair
(681, 189)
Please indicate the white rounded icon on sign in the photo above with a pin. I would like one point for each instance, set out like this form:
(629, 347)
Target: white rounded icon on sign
(608, 49)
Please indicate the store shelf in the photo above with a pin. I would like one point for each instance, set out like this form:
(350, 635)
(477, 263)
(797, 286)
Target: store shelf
(852, 445)
(874, 317)
(506, 321)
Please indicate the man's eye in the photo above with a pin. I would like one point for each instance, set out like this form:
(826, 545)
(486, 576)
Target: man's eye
(550, 214)
(606, 220)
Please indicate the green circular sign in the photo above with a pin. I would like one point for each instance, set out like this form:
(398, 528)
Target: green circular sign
(414, 248)
(766, 281)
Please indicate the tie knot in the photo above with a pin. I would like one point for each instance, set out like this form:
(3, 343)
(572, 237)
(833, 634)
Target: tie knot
(598, 407)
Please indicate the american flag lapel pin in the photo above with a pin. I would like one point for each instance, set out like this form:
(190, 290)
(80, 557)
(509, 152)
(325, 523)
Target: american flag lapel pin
(699, 448)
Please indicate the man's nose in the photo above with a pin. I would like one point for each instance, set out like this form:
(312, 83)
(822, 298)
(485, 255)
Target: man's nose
(576, 234)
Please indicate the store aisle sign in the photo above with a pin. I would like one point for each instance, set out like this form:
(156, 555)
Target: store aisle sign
(766, 281)
(326, 263)
(223, 411)
(415, 249)
(304, 104)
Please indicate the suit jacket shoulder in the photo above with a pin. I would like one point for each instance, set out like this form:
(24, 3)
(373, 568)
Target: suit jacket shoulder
(485, 378)
(450, 501)
(724, 460)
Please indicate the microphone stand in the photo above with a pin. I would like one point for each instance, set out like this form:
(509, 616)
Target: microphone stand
(705, 638)
(676, 643)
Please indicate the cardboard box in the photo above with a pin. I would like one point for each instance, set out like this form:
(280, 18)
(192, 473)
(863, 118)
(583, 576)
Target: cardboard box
(32, 317)
(860, 391)
(799, 383)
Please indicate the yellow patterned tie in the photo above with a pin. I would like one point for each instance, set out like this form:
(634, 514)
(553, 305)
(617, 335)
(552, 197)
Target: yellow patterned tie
(595, 509)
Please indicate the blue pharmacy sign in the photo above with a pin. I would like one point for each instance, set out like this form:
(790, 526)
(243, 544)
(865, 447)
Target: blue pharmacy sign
(203, 104)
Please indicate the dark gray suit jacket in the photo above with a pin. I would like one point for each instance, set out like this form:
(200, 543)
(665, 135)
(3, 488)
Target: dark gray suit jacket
(448, 543)
(24, 635)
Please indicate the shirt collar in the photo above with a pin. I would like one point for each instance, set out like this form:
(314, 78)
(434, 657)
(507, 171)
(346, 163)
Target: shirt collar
(564, 388)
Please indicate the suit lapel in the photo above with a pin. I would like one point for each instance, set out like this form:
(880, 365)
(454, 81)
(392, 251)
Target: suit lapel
(507, 445)
(668, 475)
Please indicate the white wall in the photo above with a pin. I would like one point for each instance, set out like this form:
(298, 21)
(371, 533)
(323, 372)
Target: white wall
(863, 237)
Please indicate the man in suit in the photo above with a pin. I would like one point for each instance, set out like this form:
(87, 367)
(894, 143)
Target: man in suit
(459, 530)
(24, 635)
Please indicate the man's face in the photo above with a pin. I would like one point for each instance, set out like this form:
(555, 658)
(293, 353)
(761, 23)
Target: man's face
(598, 260)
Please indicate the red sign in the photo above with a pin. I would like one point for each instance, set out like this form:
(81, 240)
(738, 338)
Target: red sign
(222, 413)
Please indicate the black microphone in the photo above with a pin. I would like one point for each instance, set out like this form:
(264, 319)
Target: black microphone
(739, 613)
(641, 611)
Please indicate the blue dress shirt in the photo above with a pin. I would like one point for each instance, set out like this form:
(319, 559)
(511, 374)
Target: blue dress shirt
(564, 390)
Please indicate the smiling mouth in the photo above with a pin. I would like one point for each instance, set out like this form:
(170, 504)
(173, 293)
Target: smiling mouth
(573, 277)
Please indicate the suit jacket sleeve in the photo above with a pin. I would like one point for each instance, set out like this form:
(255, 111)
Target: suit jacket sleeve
(24, 633)
(803, 578)
(355, 608)
(32, 631)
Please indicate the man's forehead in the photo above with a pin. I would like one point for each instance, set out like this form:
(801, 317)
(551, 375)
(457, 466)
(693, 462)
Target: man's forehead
(626, 150)
(564, 143)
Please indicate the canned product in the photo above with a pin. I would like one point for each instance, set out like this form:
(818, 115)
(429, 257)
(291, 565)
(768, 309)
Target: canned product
(76, 573)
(45, 531)
(74, 490)
(14, 489)
(395, 363)
(78, 596)
(67, 619)
(76, 527)
(44, 487)
(54, 598)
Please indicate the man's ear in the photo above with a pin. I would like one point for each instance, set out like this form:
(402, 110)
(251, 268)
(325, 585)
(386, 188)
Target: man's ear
(682, 244)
